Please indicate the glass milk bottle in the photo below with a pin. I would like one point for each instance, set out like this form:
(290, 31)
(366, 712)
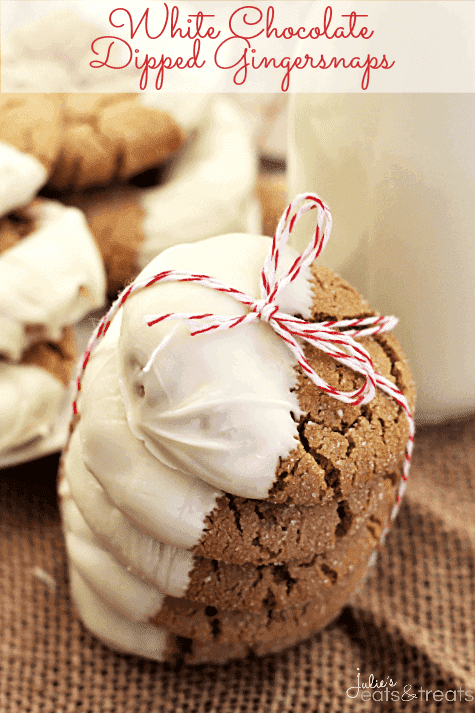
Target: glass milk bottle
(398, 173)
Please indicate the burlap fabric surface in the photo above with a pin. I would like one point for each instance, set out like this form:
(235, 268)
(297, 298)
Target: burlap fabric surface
(414, 622)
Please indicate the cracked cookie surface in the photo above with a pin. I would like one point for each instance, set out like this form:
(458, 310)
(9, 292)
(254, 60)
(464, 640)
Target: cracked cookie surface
(32, 123)
(290, 582)
(208, 623)
(278, 569)
(342, 445)
(109, 137)
(258, 532)
(342, 448)
(182, 650)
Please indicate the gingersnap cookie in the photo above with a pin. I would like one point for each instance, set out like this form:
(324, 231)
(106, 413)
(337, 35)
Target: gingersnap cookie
(57, 358)
(115, 218)
(179, 572)
(145, 639)
(30, 135)
(108, 137)
(208, 189)
(51, 275)
(233, 588)
(207, 623)
(313, 473)
(190, 651)
(32, 391)
(177, 433)
(243, 530)
(109, 596)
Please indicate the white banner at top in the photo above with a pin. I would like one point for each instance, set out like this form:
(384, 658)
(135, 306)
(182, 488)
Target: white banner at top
(261, 47)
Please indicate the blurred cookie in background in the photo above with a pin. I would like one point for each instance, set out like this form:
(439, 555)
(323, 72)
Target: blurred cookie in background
(51, 275)
(30, 137)
(206, 189)
(33, 391)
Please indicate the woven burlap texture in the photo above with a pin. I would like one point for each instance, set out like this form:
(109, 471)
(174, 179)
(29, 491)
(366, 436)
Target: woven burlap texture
(414, 621)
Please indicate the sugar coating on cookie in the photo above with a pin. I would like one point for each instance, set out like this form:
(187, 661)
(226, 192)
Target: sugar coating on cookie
(32, 124)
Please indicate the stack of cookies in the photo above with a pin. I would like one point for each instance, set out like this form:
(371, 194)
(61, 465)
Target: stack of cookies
(51, 274)
(216, 503)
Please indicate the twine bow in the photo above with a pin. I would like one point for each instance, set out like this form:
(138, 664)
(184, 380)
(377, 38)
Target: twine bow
(336, 338)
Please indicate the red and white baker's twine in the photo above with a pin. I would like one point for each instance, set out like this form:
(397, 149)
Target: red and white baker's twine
(325, 336)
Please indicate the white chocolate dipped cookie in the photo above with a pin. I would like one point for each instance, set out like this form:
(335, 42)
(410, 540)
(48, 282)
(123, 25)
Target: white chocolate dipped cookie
(121, 606)
(231, 414)
(208, 189)
(33, 391)
(30, 135)
(216, 407)
(50, 278)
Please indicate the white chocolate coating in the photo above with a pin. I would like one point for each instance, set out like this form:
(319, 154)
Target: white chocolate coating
(25, 75)
(166, 567)
(217, 406)
(165, 503)
(209, 190)
(126, 594)
(46, 54)
(112, 628)
(51, 278)
(114, 605)
(30, 399)
(21, 177)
